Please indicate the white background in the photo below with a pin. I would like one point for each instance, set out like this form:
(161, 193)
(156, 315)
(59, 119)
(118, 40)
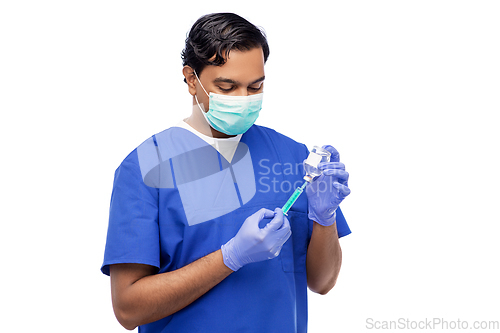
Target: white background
(407, 91)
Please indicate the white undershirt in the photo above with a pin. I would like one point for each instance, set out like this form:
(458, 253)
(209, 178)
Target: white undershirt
(226, 147)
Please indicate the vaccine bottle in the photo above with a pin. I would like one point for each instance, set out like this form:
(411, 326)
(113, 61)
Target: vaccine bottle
(316, 156)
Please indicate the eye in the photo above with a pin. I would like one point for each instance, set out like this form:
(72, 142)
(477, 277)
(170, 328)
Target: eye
(254, 89)
(225, 89)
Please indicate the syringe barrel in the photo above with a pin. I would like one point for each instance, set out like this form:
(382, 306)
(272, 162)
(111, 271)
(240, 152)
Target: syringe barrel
(295, 195)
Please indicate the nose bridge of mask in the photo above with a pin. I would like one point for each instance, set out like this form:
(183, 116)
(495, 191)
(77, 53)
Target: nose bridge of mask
(236, 99)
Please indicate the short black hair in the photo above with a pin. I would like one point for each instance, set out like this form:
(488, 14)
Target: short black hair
(216, 35)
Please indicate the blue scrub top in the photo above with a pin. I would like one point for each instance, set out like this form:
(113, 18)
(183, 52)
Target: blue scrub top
(175, 199)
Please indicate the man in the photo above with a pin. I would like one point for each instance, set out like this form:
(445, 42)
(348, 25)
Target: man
(196, 242)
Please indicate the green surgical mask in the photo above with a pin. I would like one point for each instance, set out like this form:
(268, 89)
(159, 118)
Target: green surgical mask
(231, 115)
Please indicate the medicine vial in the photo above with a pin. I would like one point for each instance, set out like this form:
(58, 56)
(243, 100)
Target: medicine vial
(316, 156)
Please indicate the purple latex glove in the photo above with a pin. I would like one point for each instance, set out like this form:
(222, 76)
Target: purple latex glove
(253, 244)
(327, 191)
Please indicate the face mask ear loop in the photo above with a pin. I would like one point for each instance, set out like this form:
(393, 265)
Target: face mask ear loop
(199, 106)
(200, 83)
(196, 97)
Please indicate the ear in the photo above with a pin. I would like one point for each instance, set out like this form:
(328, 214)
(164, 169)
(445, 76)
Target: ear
(190, 78)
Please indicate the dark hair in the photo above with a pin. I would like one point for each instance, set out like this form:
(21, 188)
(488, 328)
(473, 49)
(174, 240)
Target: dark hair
(218, 34)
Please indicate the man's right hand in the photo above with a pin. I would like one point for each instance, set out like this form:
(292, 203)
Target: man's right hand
(253, 244)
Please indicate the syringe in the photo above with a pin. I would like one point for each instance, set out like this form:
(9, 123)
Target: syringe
(316, 156)
(295, 195)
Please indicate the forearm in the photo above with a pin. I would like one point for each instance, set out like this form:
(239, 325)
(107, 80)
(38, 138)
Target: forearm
(154, 297)
(324, 258)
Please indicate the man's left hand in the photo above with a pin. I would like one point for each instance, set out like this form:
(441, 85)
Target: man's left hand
(328, 190)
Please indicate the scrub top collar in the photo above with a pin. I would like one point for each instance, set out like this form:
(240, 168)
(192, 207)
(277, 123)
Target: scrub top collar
(226, 147)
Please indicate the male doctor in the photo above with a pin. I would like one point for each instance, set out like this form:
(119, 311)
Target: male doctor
(195, 241)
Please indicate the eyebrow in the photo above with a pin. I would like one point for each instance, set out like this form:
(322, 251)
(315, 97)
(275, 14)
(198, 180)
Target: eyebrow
(226, 80)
